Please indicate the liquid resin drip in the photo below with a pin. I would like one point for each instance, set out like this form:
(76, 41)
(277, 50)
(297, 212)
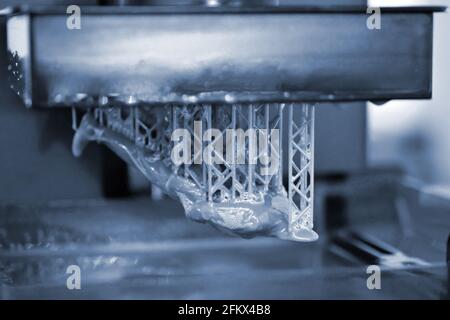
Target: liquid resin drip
(236, 193)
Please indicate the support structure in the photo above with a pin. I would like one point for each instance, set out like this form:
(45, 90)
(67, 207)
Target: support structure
(301, 167)
(232, 148)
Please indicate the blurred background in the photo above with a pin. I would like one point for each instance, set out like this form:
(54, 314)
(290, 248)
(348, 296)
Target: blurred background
(415, 134)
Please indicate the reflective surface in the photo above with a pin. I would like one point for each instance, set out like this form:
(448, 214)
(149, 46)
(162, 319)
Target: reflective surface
(134, 249)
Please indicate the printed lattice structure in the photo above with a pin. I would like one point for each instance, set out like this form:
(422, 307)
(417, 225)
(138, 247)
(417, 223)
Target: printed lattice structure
(184, 117)
(230, 180)
(237, 174)
(301, 166)
(148, 127)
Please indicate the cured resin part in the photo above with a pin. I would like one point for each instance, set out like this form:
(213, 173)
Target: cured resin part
(238, 193)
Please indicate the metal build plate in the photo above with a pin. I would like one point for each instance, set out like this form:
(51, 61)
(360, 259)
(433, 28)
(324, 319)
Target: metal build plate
(158, 55)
